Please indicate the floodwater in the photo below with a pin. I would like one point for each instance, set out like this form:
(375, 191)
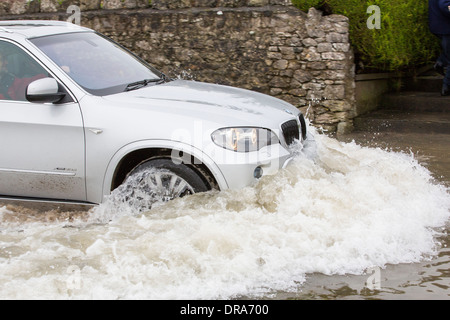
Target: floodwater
(345, 220)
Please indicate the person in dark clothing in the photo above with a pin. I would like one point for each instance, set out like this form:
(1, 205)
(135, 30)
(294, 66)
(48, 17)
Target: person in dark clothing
(439, 19)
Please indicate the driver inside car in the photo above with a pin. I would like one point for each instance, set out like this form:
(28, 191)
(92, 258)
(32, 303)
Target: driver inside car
(6, 79)
(11, 86)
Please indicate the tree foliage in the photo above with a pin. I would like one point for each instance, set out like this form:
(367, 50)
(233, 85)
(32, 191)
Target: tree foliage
(404, 40)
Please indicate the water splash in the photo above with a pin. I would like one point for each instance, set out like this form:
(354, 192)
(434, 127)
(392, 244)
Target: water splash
(338, 209)
(182, 74)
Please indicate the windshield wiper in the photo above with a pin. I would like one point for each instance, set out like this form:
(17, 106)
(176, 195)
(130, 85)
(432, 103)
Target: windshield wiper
(143, 83)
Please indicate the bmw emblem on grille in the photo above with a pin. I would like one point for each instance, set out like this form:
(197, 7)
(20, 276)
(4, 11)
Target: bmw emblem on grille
(288, 111)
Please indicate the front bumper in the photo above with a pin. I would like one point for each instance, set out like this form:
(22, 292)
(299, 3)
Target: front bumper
(238, 169)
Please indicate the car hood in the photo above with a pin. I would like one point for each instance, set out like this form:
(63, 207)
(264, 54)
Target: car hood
(204, 100)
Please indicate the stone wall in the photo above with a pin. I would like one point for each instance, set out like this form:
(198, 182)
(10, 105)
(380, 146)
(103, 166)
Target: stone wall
(263, 45)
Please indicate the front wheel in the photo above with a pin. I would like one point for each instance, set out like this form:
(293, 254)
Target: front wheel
(159, 181)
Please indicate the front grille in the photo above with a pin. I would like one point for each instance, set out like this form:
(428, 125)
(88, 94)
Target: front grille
(291, 131)
(303, 125)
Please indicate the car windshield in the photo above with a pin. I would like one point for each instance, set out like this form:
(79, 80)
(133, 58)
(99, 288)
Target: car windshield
(97, 64)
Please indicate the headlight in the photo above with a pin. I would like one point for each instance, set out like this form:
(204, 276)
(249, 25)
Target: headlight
(244, 139)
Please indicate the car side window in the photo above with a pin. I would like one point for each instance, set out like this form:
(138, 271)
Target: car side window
(17, 70)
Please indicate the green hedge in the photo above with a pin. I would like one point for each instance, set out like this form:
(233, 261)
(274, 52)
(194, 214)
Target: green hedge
(404, 40)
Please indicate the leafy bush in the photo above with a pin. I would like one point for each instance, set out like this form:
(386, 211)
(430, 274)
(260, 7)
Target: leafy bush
(304, 5)
(404, 40)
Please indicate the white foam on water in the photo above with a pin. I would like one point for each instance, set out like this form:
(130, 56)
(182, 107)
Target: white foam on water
(340, 210)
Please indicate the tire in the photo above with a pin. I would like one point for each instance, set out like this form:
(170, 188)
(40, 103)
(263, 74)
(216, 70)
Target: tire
(158, 181)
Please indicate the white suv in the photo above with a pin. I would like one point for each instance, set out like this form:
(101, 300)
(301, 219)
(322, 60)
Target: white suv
(79, 115)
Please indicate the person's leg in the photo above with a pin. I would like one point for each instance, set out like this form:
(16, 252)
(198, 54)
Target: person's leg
(445, 60)
(440, 61)
(439, 65)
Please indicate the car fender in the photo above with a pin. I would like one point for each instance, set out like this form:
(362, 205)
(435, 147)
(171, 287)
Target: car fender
(161, 144)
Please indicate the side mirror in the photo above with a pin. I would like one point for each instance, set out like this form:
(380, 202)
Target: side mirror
(44, 91)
